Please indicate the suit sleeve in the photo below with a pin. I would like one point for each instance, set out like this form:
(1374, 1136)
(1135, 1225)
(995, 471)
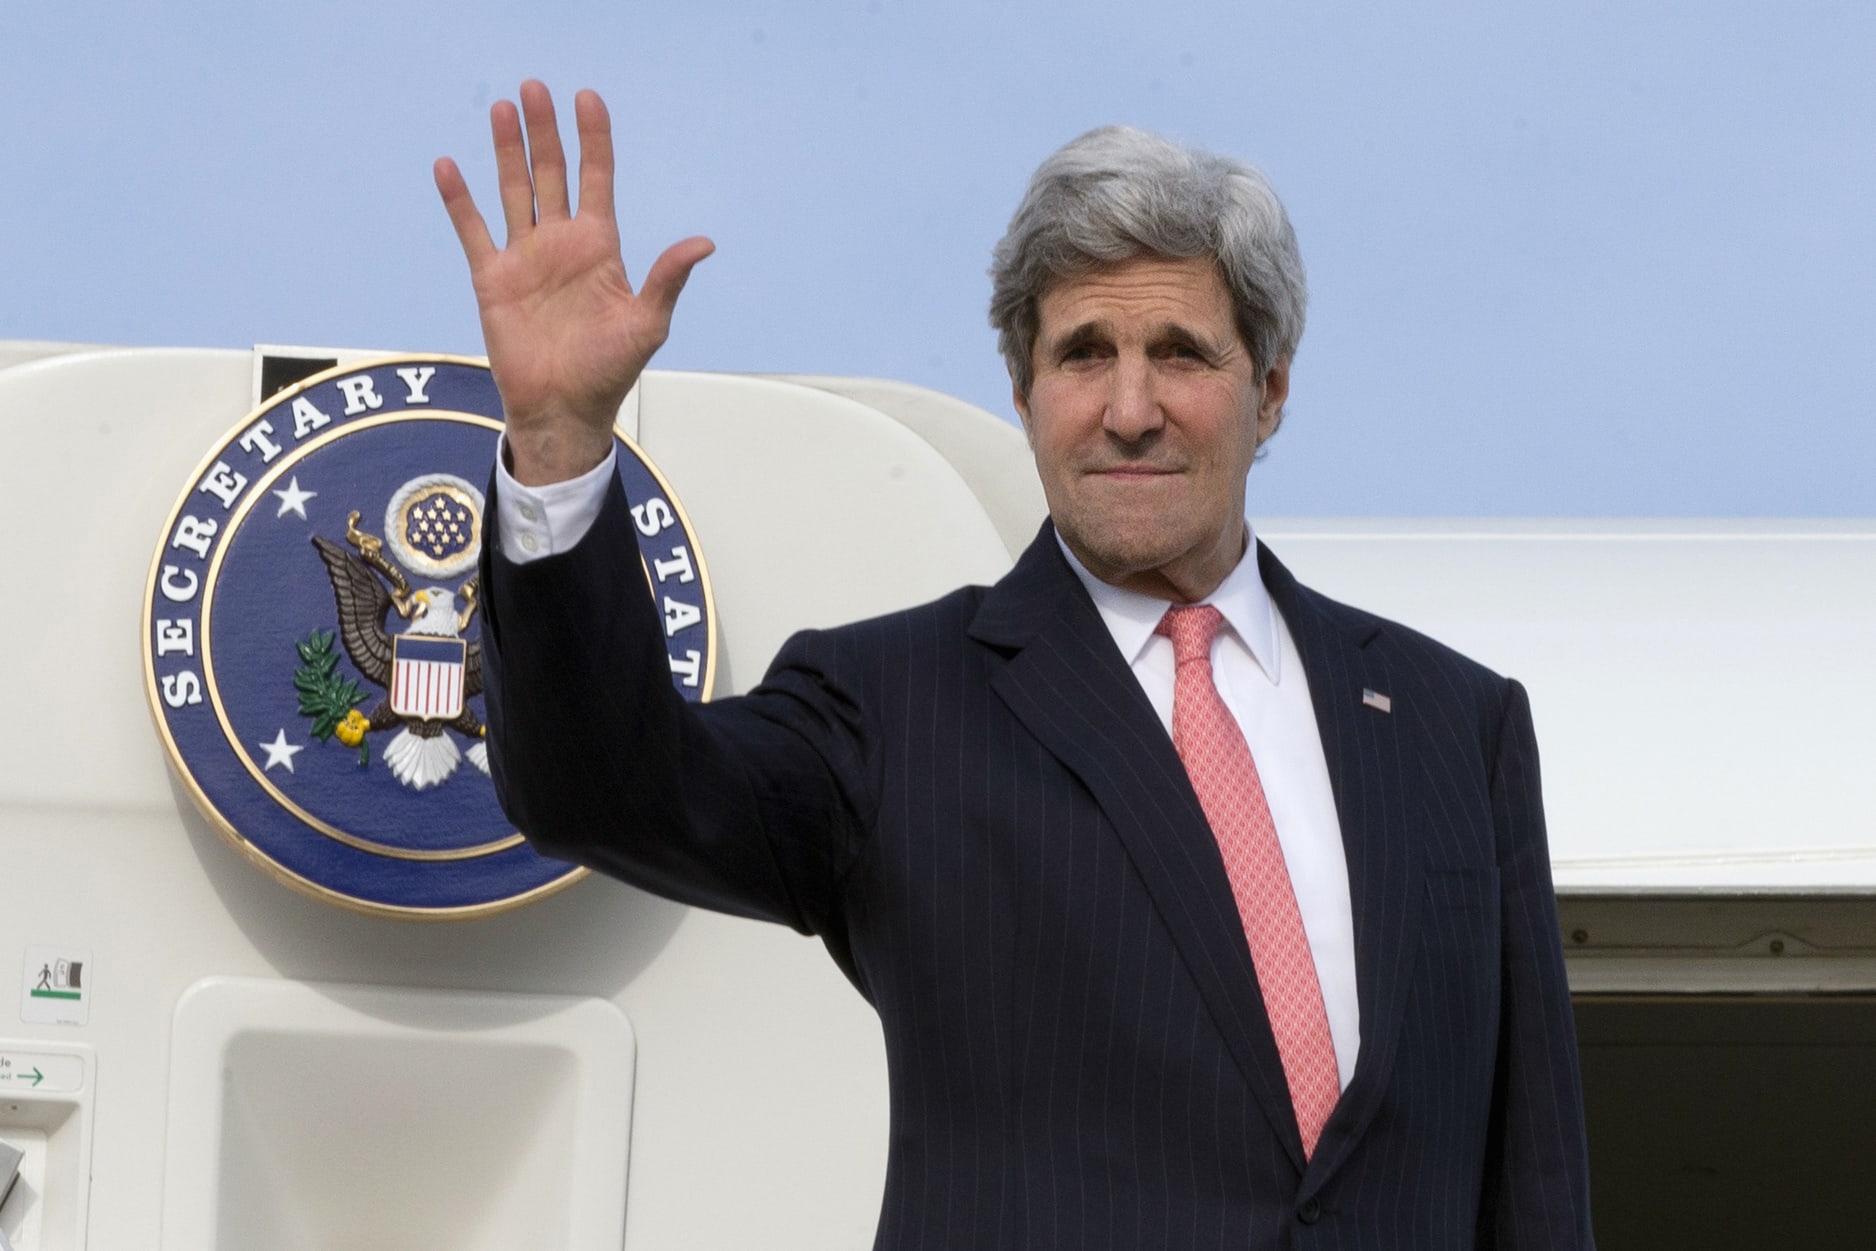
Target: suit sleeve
(1536, 1192)
(751, 805)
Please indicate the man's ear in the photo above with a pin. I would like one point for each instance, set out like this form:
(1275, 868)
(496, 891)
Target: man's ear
(1270, 405)
(1021, 402)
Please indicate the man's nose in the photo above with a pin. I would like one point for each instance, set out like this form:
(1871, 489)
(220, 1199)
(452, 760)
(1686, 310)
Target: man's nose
(1133, 410)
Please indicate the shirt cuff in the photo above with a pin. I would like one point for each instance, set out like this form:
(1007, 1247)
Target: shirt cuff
(547, 520)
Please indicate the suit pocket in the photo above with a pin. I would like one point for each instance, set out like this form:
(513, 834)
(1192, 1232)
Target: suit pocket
(1463, 889)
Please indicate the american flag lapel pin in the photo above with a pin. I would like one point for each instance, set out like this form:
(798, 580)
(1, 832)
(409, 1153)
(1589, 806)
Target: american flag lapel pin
(1376, 700)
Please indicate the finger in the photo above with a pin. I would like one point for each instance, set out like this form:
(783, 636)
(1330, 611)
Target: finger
(511, 169)
(544, 154)
(671, 271)
(595, 154)
(471, 231)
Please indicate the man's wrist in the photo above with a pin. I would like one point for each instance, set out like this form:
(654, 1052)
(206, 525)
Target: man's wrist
(541, 453)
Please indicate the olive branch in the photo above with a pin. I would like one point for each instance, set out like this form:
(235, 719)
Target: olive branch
(326, 695)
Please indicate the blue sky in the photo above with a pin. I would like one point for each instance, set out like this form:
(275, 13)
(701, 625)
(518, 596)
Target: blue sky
(1614, 261)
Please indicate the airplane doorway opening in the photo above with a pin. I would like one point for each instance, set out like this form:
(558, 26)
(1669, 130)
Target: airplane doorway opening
(1722, 1122)
(1729, 1068)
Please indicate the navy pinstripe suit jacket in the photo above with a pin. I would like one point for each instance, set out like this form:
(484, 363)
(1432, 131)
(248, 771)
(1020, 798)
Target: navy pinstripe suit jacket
(974, 806)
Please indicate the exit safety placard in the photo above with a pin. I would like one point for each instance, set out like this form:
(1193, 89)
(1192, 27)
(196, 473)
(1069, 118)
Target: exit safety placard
(55, 988)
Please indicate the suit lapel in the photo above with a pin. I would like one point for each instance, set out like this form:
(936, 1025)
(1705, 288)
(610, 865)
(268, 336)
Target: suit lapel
(1371, 772)
(1072, 690)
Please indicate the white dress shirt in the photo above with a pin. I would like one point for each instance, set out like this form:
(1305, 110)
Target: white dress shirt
(1254, 663)
(1260, 677)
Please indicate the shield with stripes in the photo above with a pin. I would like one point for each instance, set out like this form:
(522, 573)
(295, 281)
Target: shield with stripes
(427, 676)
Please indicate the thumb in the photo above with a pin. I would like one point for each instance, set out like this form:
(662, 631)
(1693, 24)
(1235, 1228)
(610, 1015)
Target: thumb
(671, 271)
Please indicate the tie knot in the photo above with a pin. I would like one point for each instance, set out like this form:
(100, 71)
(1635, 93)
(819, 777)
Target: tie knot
(1191, 629)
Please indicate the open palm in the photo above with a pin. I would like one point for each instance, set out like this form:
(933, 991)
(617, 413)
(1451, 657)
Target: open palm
(567, 335)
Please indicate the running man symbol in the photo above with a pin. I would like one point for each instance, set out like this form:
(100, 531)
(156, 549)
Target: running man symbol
(45, 978)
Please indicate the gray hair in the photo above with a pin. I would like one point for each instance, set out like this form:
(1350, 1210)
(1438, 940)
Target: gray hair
(1117, 193)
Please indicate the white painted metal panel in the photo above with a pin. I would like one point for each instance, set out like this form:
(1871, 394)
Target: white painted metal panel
(812, 508)
(1705, 691)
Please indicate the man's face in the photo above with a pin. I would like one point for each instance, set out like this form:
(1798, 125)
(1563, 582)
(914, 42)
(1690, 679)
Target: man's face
(1145, 412)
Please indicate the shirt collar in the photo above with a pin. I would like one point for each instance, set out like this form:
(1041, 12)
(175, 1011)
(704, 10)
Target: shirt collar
(1241, 599)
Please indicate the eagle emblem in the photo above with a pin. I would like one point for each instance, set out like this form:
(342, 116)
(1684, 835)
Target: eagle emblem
(424, 664)
(312, 637)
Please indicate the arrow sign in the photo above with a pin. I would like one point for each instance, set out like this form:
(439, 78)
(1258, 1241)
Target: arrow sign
(41, 1071)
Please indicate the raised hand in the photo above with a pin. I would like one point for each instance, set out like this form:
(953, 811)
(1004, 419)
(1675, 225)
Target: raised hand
(567, 336)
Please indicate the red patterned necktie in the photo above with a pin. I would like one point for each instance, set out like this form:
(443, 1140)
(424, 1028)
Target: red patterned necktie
(1219, 763)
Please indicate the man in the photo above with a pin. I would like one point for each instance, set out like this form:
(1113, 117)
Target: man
(1199, 910)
